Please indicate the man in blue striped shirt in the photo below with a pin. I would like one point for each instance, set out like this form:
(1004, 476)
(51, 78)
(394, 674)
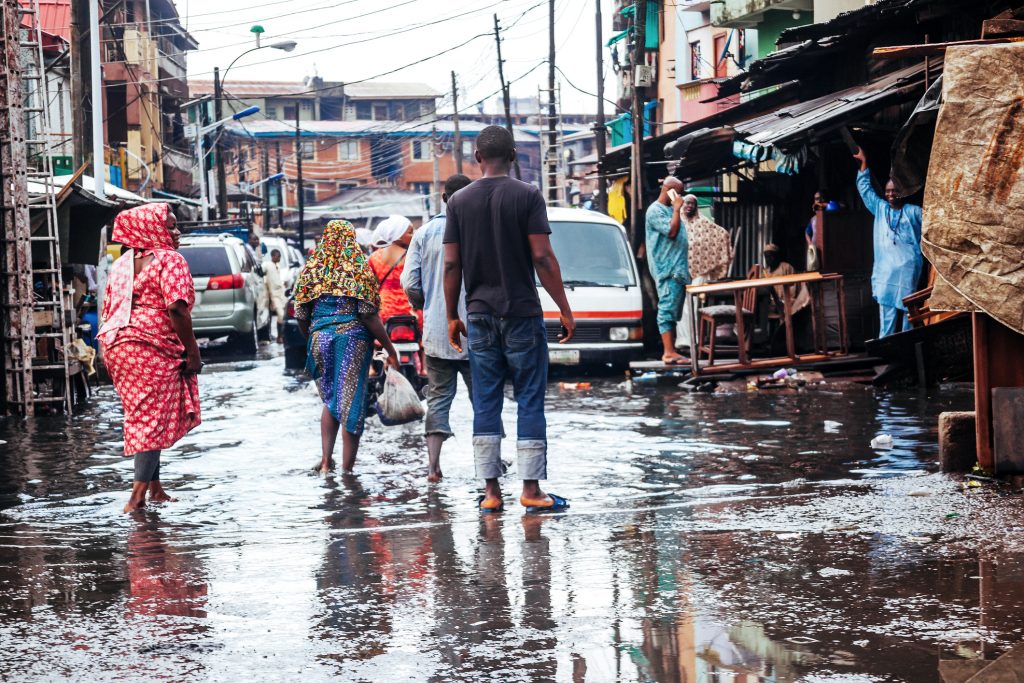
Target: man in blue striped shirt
(423, 281)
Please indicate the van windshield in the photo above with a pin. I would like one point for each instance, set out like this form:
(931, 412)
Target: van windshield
(592, 255)
(207, 261)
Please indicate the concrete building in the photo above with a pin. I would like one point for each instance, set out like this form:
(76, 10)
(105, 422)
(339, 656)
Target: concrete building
(318, 100)
(144, 84)
(692, 55)
(338, 156)
(768, 17)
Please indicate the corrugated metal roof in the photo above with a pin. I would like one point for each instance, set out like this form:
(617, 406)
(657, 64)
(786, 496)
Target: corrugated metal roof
(55, 17)
(365, 202)
(391, 91)
(370, 90)
(250, 88)
(272, 129)
(788, 122)
(710, 149)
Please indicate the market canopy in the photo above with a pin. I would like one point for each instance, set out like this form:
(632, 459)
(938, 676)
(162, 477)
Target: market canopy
(782, 133)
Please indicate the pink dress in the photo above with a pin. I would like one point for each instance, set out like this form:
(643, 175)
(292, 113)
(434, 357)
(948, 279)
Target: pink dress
(144, 355)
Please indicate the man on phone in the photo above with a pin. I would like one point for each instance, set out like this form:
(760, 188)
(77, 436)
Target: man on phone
(667, 252)
(496, 239)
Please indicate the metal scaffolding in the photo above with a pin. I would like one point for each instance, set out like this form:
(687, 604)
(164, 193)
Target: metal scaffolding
(37, 320)
(553, 176)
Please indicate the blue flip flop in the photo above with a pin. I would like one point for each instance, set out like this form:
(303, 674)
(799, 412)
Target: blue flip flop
(488, 511)
(558, 504)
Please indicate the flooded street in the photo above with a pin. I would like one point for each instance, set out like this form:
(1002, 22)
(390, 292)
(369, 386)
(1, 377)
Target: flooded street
(711, 538)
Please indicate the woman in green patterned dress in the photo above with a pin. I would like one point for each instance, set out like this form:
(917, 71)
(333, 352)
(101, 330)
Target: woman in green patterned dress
(336, 303)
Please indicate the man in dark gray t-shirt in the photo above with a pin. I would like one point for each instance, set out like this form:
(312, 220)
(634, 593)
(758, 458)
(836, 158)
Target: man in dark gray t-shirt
(496, 241)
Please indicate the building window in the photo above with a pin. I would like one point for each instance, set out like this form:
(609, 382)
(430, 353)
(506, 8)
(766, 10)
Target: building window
(380, 112)
(308, 150)
(421, 150)
(467, 149)
(308, 194)
(364, 112)
(347, 185)
(695, 60)
(271, 112)
(289, 112)
(425, 189)
(348, 150)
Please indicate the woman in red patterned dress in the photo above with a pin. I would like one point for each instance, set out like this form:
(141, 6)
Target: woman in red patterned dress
(148, 344)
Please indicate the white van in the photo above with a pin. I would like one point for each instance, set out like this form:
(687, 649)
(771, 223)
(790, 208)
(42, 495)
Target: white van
(602, 284)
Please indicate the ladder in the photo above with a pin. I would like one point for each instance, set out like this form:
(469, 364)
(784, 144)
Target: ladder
(36, 312)
(553, 176)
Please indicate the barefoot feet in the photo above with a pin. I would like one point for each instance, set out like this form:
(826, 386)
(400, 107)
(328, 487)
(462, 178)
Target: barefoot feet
(157, 494)
(434, 476)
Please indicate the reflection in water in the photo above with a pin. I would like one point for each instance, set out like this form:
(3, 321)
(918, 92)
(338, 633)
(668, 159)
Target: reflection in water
(162, 580)
(717, 538)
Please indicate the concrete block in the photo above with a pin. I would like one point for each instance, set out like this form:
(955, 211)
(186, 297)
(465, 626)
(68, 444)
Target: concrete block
(960, 670)
(1007, 439)
(958, 448)
(1007, 669)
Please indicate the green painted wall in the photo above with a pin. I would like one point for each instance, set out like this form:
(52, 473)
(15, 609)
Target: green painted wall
(775, 22)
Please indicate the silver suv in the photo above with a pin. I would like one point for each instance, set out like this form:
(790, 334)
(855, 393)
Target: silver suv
(230, 296)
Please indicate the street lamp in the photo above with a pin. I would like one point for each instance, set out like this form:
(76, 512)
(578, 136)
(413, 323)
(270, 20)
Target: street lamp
(218, 99)
(200, 131)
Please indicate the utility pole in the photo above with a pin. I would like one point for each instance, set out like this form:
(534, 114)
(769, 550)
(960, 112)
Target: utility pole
(504, 91)
(218, 147)
(80, 83)
(301, 203)
(637, 194)
(600, 132)
(96, 77)
(280, 186)
(265, 173)
(435, 145)
(455, 120)
(551, 160)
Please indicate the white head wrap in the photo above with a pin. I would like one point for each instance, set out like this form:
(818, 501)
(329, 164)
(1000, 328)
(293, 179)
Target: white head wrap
(389, 230)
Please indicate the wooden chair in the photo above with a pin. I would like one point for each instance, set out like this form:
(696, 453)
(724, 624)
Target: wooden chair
(710, 317)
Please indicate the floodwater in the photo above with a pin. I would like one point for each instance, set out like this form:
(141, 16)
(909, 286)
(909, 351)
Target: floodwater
(711, 538)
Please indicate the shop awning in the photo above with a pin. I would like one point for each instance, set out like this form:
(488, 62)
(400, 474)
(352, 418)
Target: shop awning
(616, 159)
(785, 130)
(617, 37)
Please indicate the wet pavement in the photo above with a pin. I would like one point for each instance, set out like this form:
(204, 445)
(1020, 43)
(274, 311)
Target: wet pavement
(711, 538)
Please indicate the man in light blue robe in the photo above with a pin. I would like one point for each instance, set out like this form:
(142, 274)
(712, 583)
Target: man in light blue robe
(667, 254)
(897, 250)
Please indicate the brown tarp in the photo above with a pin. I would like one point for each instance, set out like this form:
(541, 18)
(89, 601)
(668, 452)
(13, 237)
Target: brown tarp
(973, 231)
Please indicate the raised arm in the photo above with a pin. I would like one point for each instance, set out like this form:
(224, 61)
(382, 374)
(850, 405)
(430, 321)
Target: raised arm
(872, 201)
(550, 274)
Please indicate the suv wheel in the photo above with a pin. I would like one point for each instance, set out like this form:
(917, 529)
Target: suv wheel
(247, 343)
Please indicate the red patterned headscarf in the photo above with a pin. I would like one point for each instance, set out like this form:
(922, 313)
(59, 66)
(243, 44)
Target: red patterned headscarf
(144, 227)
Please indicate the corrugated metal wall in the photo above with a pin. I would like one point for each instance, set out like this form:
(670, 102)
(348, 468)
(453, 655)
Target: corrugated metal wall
(751, 227)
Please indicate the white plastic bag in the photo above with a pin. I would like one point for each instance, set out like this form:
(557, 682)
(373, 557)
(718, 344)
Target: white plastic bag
(398, 402)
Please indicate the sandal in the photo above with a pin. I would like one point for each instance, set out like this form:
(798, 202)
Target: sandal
(483, 510)
(558, 504)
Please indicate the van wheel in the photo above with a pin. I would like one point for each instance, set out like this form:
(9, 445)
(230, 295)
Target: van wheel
(247, 343)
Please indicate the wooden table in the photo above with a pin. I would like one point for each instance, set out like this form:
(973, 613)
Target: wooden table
(815, 283)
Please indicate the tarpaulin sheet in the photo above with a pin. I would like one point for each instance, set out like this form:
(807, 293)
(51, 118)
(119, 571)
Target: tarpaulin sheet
(973, 231)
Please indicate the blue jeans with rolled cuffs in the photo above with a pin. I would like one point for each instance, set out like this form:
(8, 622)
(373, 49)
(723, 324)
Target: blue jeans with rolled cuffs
(515, 348)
